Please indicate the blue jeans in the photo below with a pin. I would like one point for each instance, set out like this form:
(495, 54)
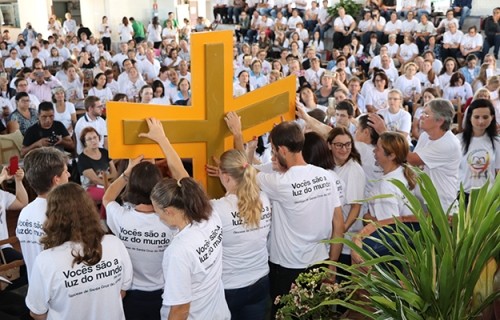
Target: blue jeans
(249, 303)
(464, 13)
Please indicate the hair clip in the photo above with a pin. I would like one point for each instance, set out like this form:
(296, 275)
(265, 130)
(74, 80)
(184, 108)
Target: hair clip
(179, 183)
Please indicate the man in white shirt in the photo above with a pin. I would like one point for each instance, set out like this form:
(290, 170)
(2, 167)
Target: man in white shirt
(306, 210)
(45, 169)
(92, 118)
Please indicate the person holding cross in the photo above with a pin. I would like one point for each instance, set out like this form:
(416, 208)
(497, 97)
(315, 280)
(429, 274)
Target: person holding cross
(192, 264)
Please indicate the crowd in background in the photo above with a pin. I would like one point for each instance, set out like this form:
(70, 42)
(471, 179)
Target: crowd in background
(397, 88)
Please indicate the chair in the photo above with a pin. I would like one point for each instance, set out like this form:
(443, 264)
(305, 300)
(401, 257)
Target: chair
(9, 270)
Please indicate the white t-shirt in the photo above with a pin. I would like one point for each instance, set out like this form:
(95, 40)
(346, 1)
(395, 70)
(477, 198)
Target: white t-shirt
(29, 230)
(65, 117)
(441, 159)
(6, 200)
(372, 170)
(479, 163)
(393, 27)
(104, 94)
(303, 200)
(355, 180)
(78, 291)
(464, 92)
(469, 43)
(395, 206)
(408, 86)
(399, 121)
(343, 22)
(407, 51)
(145, 238)
(452, 38)
(244, 254)
(409, 26)
(424, 81)
(192, 267)
(154, 34)
(444, 80)
(377, 99)
(125, 33)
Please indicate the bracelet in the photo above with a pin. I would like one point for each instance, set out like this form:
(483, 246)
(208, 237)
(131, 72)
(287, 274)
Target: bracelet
(124, 176)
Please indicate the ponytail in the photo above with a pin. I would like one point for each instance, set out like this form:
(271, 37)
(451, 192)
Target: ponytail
(410, 176)
(235, 164)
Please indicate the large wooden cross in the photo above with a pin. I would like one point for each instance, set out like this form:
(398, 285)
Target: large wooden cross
(199, 132)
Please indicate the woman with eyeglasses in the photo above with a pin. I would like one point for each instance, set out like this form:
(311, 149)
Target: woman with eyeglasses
(348, 167)
(390, 153)
(396, 118)
(376, 99)
(480, 146)
(94, 165)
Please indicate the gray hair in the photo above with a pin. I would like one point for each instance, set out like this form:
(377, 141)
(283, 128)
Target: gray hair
(443, 110)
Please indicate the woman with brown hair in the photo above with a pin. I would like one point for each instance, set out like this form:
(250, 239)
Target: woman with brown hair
(390, 153)
(82, 273)
(136, 215)
(192, 264)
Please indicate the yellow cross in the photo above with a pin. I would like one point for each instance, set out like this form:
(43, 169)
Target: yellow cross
(199, 132)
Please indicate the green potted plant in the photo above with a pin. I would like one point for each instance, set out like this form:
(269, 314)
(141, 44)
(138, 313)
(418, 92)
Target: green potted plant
(351, 7)
(309, 290)
(434, 272)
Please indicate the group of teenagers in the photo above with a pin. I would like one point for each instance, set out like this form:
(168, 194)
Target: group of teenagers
(173, 253)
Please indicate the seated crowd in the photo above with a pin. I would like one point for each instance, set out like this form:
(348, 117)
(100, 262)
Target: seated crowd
(396, 90)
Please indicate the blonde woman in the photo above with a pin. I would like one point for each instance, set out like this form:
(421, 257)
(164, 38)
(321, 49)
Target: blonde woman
(245, 212)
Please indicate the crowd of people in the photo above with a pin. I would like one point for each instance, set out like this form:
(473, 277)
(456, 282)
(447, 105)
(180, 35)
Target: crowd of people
(395, 91)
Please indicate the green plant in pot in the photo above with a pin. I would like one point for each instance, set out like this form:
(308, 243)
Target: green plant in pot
(351, 7)
(432, 272)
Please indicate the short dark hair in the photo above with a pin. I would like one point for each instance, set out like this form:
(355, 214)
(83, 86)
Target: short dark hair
(347, 106)
(41, 166)
(45, 106)
(21, 95)
(289, 135)
(142, 180)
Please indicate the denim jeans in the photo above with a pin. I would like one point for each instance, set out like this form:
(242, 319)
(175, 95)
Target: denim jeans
(249, 302)
(464, 13)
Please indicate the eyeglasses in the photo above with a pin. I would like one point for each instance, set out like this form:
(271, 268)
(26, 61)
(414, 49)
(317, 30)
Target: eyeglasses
(425, 115)
(339, 145)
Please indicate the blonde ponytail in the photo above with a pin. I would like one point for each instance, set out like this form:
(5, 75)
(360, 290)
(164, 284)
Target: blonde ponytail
(234, 163)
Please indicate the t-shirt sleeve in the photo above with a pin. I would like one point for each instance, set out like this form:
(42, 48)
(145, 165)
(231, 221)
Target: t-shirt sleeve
(7, 199)
(114, 213)
(432, 155)
(355, 188)
(177, 274)
(128, 271)
(38, 297)
(269, 184)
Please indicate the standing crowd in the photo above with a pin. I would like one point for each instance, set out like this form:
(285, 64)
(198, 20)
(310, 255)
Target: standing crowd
(396, 90)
